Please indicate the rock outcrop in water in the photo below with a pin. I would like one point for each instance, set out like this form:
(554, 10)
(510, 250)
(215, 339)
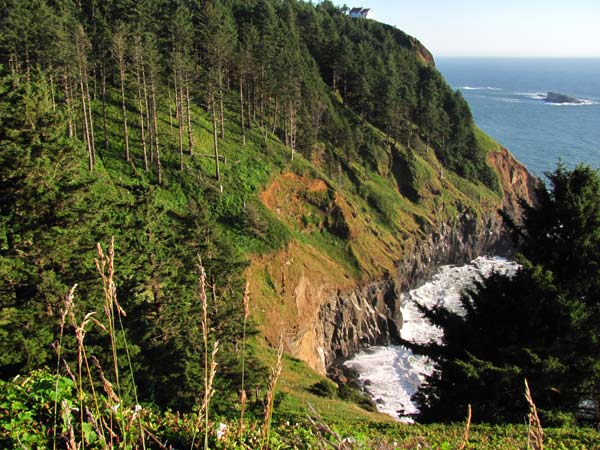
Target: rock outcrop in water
(554, 97)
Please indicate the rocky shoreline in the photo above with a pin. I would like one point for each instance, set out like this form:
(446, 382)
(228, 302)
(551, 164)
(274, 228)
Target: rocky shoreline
(370, 315)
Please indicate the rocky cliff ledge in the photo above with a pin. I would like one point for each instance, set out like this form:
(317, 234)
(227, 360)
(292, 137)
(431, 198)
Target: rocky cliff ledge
(324, 311)
(371, 314)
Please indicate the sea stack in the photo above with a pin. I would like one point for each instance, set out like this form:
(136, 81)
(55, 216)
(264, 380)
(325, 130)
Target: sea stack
(554, 97)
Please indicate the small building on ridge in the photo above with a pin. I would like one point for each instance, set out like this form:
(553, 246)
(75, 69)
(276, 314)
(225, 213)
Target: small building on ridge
(362, 13)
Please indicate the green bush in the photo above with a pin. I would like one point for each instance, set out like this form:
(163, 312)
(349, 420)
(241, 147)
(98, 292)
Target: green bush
(324, 388)
(27, 409)
(347, 393)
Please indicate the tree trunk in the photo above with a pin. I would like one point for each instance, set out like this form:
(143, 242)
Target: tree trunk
(189, 115)
(262, 96)
(155, 123)
(242, 125)
(147, 108)
(104, 113)
(250, 103)
(286, 128)
(293, 129)
(221, 105)
(68, 106)
(86, 125)
(179, 114)
(141, 115)
(12, 63)
(52, 88)
(213, 108)
(90, 120)
(275, 116)
(124, 105)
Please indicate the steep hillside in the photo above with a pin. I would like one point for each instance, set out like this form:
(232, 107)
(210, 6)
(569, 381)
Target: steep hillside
(322, 158)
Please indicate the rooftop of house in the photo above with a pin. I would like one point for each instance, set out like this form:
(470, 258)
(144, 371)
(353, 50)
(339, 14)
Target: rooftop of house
(361, 10)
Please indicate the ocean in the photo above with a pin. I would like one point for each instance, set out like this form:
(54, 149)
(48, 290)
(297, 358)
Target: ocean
(505, 96)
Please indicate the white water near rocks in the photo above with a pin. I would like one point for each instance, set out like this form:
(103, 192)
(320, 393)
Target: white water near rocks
(392, 375)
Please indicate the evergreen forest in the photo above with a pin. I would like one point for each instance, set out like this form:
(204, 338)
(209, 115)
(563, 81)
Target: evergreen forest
(137, 142)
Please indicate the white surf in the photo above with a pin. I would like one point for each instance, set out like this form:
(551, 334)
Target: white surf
(392, 375)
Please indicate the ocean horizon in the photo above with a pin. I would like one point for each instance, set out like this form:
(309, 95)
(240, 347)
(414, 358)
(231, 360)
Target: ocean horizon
(506, 97)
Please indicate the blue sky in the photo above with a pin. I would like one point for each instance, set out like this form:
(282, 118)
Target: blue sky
(525, 28)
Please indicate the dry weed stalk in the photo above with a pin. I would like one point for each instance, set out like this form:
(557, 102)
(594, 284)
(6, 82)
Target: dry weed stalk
(535, 435)
(243, 398)
(107, 385)
(209, 371)
(106, 270)
(105, 265)
(275, 373)
(82, 359)
(323, 430)
(467, 429)
(65, 311)
(71, 443)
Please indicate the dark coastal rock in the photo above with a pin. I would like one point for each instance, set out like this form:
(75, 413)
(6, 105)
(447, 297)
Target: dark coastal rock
(370, 315)
(554, 97)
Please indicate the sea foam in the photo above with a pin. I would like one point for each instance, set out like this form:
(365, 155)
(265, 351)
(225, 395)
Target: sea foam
(478, 88)
(392, 375)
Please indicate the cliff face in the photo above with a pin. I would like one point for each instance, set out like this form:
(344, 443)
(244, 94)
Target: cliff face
(325, 312)
(371, 314)
(515, 180)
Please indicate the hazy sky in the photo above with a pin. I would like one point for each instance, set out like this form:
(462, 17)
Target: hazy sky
(494, 27)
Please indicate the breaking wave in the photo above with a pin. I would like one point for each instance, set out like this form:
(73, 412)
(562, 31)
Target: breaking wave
(392, 375)
(476, 88)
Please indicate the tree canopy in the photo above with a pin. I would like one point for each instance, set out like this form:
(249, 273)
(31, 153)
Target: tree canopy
(541, 323)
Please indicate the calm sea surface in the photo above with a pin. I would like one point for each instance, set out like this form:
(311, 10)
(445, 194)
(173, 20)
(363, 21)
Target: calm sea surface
(506, 94)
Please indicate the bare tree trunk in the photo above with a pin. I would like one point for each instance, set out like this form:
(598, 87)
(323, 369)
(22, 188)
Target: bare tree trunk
(86, 125)
(124, 105)
(27, 65)
(146, 107)
(104, 113)
(52, 88)
(275, 116)
(221, 105)
(170, 112)
(68, 105)
(293, 129)
(262, 97)
(179, 108)
(155, 123)
(90, 119)
(213, 108)
(73, 94)
(141, 114)
(189, 115)
(250, 103)
(12, 63)
(242, 125)
(286, 128)
(80, 57)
